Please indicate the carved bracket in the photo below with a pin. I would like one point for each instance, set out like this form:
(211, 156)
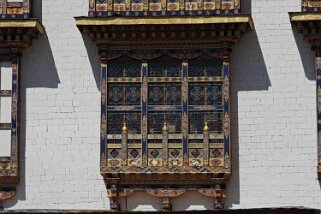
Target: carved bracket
(5, 196)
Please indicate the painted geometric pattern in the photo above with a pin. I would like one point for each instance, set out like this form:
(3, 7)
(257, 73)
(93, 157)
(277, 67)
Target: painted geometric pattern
(162, 7)
(15, 9)
(115, 122)
(158, 104)
(155, 157)
(311, 5)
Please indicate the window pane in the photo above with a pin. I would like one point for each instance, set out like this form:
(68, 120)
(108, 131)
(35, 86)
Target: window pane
(205, 66)
(164, 67)
(156, 94)
(156, 122)
(124, 67)
(164, 94)
(124, 94)
(196, 94)
(5, 109)
(5, 143)
(214, 94)
(197, 121)
(6, 75)
(116, 120)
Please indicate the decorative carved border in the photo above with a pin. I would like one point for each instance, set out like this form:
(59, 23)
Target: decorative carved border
(163, 7)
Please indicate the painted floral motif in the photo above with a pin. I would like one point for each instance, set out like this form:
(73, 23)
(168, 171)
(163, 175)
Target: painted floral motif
(144, 89)
(226, 89)
(103, 126)
(185, 90)
(226, 125)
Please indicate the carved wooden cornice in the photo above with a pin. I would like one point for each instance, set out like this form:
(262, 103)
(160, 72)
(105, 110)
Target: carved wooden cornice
(18, 34)
(309, 25)
(210, 31)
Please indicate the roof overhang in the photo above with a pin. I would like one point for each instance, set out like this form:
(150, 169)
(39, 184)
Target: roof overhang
(209, 31)
(19, 33)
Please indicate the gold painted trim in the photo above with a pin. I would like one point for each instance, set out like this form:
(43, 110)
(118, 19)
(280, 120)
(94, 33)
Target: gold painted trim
(134, 146)
(28, 23)
(155, 146)
(113, 146)
(206, 79)
(195, 145)
(299, 17)
(175, 145)
(124, 79)
(164, 79)
(217, 145)
(216, 136)
(149, 20)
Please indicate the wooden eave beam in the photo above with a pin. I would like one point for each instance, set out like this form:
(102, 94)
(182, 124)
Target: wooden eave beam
(305, 17)
(19, 33)
(23, 23)
(128, 21)
(219, 30)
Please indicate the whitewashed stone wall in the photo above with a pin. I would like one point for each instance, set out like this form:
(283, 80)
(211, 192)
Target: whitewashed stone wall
(273, 125)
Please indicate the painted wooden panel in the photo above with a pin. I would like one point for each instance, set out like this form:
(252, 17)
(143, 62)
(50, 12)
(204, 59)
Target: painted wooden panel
(163, 7)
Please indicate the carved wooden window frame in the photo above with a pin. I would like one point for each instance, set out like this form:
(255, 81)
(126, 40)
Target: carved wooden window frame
(164, 161)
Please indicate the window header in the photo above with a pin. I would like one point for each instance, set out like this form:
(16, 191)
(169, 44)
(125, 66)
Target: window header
(162, 7)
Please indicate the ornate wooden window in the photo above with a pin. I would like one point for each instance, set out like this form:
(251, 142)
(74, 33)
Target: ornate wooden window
(16, 33)
(165, 122)
(167, 113)
(307, 22)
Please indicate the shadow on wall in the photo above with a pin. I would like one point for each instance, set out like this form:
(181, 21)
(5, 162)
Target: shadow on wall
(195, 201)
(248, 73)
(140, 201)
(38, 70)
(93, 56)
(306, 54)
(37, 10)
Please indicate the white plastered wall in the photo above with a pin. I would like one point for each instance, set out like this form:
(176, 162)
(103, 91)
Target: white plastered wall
(273, 125)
